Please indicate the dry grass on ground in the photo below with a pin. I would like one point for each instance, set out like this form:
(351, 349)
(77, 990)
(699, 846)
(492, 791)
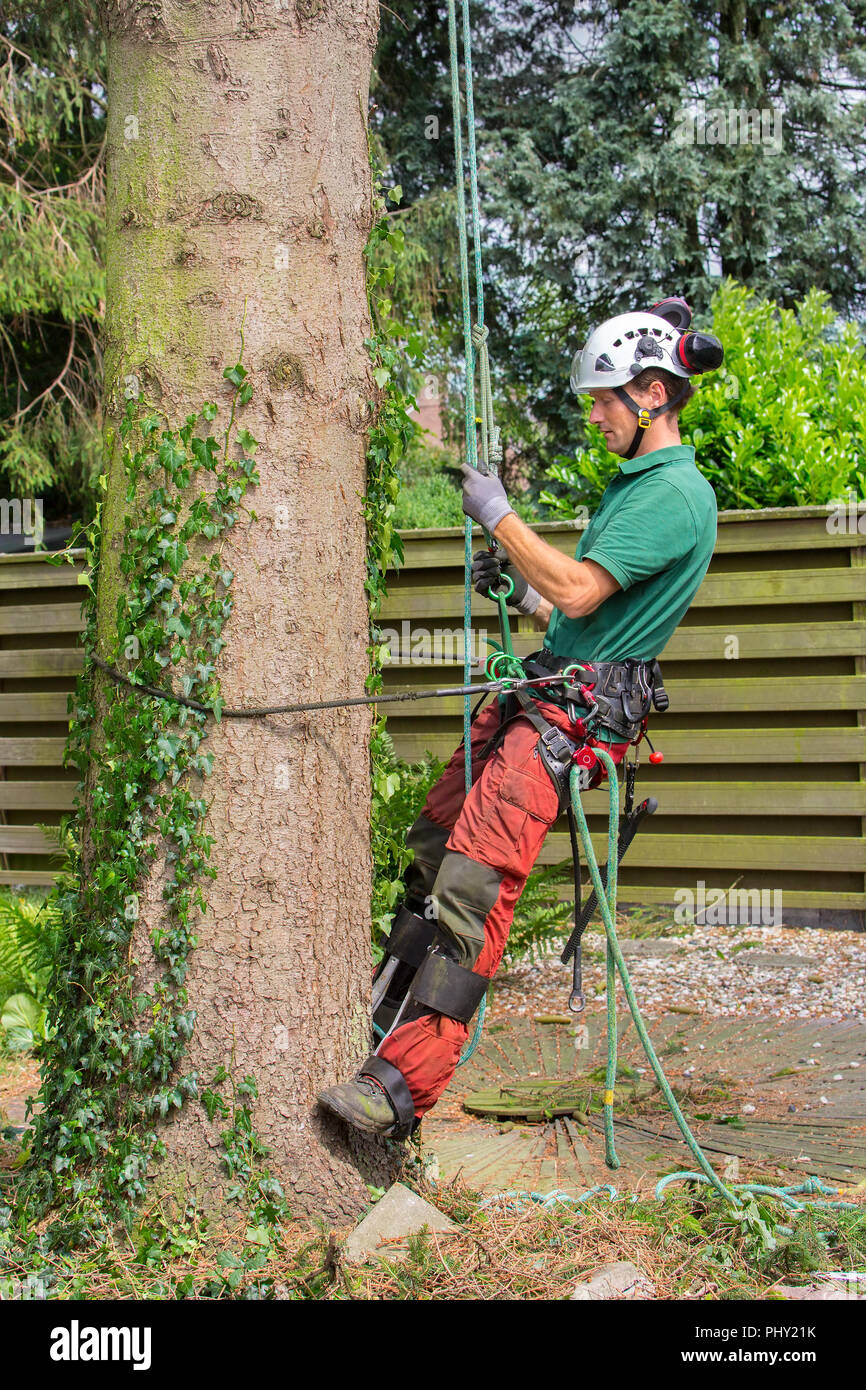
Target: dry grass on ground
(687, 1247)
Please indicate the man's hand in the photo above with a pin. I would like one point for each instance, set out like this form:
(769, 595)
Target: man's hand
(484, 497)
(486, 571)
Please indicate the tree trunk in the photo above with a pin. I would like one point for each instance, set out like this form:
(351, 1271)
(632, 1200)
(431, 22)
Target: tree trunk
(239, 184)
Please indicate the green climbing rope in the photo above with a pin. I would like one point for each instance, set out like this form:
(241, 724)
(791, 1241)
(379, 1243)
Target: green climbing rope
(607, 904)
(475, 348)
(784, 1194)
(615, 962)
(474, 336)
(469, 393)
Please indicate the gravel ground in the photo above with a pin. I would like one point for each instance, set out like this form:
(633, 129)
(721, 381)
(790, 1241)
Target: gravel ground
(718, 971)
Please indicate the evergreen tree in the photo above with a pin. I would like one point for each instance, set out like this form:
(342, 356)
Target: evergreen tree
(263, 828)
(52, 118)
(517, 62)
(619, 164)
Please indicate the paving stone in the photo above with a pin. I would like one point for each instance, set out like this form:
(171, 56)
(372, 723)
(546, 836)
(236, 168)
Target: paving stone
(400, 1213)
(776, 960)
(620, 1280)
(745, 1068)
(16, 1112)
(649, 946)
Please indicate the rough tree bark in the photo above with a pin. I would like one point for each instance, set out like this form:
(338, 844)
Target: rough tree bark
(238, 172)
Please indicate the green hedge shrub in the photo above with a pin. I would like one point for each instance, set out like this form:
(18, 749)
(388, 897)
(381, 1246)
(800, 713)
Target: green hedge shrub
(781, 424)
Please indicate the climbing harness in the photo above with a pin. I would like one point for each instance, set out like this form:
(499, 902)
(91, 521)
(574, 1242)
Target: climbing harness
(615, 696)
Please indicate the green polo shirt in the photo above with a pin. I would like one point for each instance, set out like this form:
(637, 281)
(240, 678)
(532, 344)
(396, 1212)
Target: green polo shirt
(654, 531)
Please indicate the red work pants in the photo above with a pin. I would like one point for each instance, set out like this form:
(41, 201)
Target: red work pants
(473, 854)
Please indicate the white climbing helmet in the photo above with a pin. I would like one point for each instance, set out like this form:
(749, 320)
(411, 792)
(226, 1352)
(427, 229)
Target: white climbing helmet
(623, 347)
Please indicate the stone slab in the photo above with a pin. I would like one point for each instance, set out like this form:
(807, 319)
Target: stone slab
(619, 1280)
(776, 960)
(396, 1216)
(807, 1119)
(828, 1290)
(650, 946)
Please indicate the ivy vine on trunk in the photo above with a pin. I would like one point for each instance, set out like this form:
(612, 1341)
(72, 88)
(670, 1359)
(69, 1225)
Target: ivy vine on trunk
(112, 1064)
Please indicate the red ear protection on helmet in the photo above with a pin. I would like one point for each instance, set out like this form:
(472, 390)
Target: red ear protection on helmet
(675, 311)
(698, 352)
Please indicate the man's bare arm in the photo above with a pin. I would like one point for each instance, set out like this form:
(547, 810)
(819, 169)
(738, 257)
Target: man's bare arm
(575, 587)
(543, 613)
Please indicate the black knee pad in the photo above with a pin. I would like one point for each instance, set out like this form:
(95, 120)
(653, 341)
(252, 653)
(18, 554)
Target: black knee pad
(411, 937)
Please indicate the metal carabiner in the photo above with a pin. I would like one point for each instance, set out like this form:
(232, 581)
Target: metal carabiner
(576, 1000)
(502, 593)
(592, 704)
(646, 698)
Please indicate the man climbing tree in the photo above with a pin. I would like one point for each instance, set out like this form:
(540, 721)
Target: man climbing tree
(238, 208)
(608, 612)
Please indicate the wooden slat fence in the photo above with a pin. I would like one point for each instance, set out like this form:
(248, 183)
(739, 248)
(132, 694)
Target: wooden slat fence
(763, 786)
(40, 623)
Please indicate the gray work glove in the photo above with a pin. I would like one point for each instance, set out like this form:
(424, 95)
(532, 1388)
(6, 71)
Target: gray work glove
(486, 570)
(484, 497)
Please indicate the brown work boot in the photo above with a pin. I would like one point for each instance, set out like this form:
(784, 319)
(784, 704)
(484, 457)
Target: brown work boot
(362, 1103)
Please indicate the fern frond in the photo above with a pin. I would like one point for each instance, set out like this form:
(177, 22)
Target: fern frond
(28, 930)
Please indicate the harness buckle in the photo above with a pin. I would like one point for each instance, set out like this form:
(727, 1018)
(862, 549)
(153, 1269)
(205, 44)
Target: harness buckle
(557, 744)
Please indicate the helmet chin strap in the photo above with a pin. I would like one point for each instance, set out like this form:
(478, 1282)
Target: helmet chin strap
(645, 417)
